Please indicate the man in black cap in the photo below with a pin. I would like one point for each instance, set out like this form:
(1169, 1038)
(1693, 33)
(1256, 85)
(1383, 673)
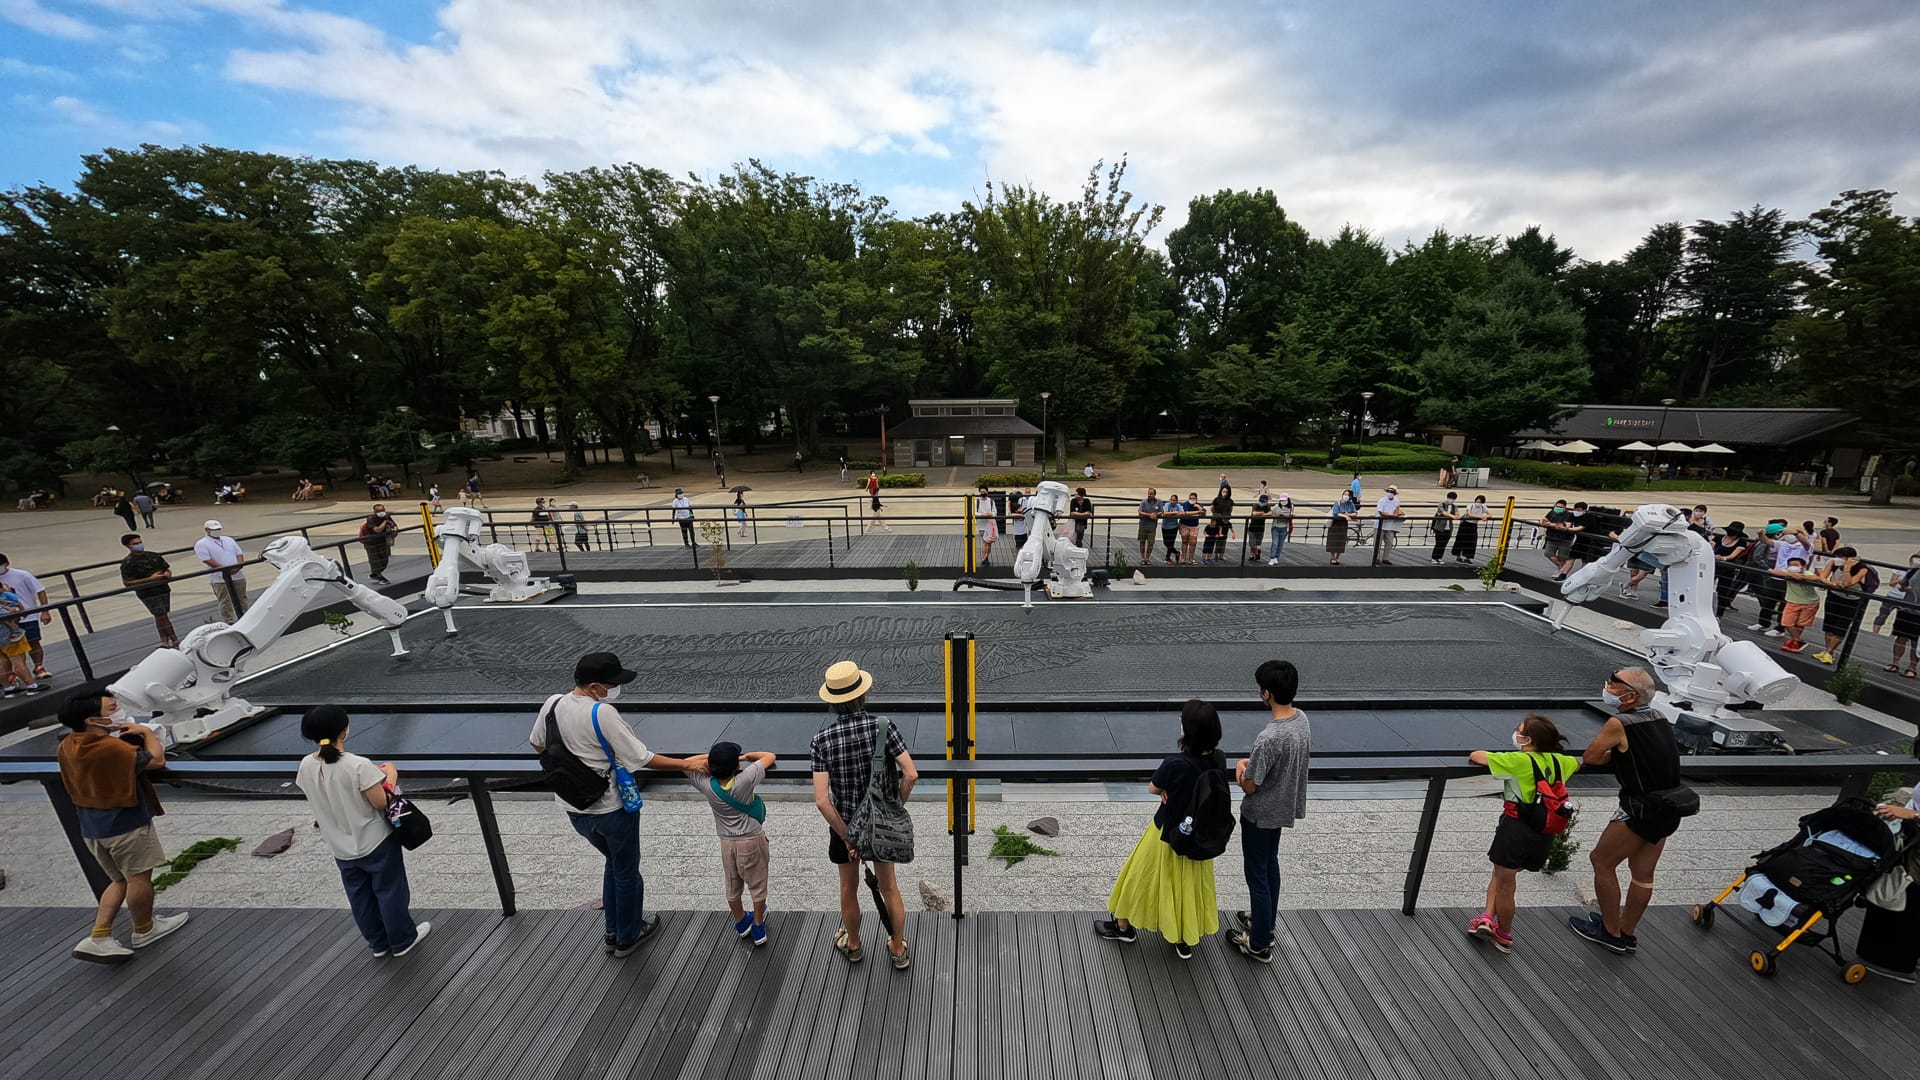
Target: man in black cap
(589, 729)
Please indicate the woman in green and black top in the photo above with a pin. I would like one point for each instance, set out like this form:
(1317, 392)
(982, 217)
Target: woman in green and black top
(1518, 845)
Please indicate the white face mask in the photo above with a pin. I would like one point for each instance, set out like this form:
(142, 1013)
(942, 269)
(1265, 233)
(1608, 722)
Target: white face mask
(1518, 741)
(1915, 561)
(612, 694)
(1612, 699)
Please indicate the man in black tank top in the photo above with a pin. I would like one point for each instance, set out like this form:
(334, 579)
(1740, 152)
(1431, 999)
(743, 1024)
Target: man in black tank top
(1638, 744)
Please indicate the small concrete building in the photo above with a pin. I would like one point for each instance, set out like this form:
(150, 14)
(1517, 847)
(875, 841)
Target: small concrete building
(987, 432)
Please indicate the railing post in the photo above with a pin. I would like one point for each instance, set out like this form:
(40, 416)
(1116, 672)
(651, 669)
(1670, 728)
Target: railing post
(1422, 843)
(79, 650)
(830, 543)
(960, 746)
(73, 590)
(490, 838)
(1853, 628)
(70, 824)
(1855, 785)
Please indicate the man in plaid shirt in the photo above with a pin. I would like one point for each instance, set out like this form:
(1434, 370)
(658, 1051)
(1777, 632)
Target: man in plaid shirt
(842, 767)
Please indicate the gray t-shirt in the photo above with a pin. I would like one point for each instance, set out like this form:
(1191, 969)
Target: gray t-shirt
(1278, 770)
(336, 793)
(731, 824)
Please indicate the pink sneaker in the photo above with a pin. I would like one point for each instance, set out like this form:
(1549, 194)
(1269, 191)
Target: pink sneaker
(1502, 940)
(1482, 926)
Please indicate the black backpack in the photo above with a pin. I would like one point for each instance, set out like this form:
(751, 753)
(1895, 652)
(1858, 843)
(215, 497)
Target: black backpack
(580, 785)
(1202, 832)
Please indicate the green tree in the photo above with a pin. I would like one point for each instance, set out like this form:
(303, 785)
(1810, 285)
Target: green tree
(1508, 359)
(1738, 283)
(1238, 261)
(1268, 394)
(1859, 340)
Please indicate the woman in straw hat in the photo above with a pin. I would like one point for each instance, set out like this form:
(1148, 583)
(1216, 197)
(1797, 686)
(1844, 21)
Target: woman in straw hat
(842, 767)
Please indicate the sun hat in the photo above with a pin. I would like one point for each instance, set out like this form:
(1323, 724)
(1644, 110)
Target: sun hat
(845, 681)
(211, 524)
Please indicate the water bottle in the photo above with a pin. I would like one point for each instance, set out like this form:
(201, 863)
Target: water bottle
(1186, 826)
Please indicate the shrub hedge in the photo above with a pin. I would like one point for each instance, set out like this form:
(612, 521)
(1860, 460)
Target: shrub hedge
(1010, 479)
(1588, 477)
(1215, 459)
(1392, 462)
(903, 480)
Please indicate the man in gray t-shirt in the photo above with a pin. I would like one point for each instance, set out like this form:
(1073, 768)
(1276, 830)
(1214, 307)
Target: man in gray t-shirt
(1274, 778)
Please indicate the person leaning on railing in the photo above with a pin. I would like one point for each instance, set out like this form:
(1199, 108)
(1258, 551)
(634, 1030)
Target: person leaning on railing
(1844, 577)
(1906, 616)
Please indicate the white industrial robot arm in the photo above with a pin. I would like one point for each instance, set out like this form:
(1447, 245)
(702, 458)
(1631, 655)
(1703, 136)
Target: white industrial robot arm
(1703, 669)
(189, 689)
(459, 540)
(1045, 548)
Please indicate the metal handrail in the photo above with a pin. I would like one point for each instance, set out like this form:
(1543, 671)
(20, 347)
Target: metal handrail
(1855, 772)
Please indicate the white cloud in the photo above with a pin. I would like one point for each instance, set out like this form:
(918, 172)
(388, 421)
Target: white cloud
(42, 72)
(1381, 113)
(79, 114)
(29, 14)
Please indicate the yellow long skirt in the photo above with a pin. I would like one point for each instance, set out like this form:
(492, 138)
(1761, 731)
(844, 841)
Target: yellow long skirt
(1166, 892)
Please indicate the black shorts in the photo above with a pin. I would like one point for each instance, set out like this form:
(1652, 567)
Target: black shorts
(158, 604)
(1518, 847)
(1652, 828)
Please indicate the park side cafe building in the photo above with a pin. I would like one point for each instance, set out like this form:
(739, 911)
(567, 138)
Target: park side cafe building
(1755, 444)
(963, 431)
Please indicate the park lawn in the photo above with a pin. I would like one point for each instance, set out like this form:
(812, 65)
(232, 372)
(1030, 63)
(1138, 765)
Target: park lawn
(1737, 486)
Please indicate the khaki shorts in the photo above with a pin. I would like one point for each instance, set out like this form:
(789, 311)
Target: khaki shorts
(1799, 614)
(129, 854)
(744, 862)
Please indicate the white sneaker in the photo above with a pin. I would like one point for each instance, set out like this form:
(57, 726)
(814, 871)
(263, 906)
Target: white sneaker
(1628, 594)
(1273, 562)
(1757, 627)
(1776, 632)
(105, 950)
(162, 926)
(420, 935)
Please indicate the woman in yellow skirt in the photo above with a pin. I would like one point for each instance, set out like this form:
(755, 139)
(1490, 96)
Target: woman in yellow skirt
(1159, 889)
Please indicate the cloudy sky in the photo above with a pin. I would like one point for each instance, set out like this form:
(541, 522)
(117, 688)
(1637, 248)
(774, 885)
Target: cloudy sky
(1595, 119)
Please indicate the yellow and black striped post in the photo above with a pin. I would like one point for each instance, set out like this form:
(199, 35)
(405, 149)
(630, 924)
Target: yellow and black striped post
(426, 530)
(969, 561)
(961, 805)
(1506, 537)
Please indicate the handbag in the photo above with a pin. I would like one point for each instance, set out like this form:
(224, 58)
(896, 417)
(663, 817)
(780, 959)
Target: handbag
(881, 830)
(623, 781)
(409, 823)
(578, 784)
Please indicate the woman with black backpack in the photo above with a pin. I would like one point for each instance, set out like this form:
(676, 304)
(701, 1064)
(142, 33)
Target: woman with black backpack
(1167, 884)
(1535, 810)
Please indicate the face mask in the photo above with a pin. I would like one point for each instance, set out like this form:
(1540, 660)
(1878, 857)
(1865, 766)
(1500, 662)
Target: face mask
(380, 513)
(1518, 739)
(215, 533)
(612, 694)
(1910, 562)
(138, 547)
(1612, 699)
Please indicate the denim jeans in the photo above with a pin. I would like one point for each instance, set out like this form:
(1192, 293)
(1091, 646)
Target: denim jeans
(1278, 542)
(623, 894)
(1260, 850)
(378, 894)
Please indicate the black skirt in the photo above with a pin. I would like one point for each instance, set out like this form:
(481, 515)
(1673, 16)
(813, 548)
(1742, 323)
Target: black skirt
(1842, 613)
(1891, 939)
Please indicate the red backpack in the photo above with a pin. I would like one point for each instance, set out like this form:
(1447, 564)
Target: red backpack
(1551, 810)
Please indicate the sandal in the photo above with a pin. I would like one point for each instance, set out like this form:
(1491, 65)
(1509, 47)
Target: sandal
(1909, 673)
(840, 946)
(1892, 667)
(903, 959)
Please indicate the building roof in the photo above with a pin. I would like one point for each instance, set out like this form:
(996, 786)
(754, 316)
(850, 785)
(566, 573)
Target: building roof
(1734, 427)
(932, 427)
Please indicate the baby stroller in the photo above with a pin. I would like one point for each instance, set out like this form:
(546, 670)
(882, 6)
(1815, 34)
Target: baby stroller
(1812, 879)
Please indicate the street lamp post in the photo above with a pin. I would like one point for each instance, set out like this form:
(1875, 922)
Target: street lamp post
(1366, 414)
(1045, 397)
(1660, 436)
(714, 399)
(885, 462)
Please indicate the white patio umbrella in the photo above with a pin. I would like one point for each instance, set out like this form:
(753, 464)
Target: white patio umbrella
(1537, 444)
(1577, 446)
(1637, 445)
(1674, 448)
(1714, 448)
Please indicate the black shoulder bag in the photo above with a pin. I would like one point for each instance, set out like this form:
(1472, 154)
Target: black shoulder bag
(1678, 801)
(578, 784)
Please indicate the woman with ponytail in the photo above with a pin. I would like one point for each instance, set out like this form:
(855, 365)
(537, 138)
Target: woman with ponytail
(349, 796)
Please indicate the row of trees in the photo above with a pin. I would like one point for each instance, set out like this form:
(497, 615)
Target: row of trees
(213, 309)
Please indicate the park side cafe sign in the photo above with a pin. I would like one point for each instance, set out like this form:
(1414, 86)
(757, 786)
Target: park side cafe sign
(1617, 421)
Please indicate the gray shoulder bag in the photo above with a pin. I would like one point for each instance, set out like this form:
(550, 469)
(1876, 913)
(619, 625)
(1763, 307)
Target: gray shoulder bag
(881, 829)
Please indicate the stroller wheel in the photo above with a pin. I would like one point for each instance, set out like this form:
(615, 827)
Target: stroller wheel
(1854, 974)
(1703, 916)
(1762, 962)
